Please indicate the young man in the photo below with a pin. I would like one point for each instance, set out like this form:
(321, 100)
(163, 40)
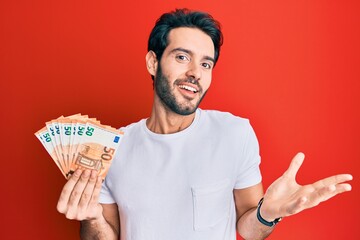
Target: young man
(186, 173)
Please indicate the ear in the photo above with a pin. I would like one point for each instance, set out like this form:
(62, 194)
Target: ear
(151, 62)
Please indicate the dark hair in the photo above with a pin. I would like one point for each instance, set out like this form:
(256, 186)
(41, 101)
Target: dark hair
(158, 39)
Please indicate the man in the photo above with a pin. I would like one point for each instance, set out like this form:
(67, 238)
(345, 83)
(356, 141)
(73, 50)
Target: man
(186, 173)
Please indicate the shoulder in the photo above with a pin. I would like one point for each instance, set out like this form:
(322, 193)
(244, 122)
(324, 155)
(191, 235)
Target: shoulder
(133, 127)
(224, 120)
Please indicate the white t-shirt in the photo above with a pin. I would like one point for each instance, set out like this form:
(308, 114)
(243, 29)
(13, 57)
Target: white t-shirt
(180, 186)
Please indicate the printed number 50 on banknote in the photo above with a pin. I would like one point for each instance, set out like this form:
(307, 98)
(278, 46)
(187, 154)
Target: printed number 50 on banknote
(97, 148)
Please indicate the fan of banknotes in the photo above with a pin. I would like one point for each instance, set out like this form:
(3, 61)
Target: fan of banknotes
(78, 141)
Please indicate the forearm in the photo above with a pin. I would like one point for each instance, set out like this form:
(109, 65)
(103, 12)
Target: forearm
(250, 228)
(97, 230)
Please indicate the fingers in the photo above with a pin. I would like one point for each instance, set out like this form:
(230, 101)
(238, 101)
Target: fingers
(295, 165)
(81, 190)
(314, 197)
(326, 193)
(88, 201)
(95, 196)
(333, 180)
(87, 192)
(67, 190)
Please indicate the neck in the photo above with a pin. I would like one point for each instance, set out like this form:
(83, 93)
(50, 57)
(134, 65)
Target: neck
(164, 121)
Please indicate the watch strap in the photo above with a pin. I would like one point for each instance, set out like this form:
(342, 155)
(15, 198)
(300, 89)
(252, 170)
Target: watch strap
(262, 220)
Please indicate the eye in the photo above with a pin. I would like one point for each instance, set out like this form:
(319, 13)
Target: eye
(182, 58)
(206, 65)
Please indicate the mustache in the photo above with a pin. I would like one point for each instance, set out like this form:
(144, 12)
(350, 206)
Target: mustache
(190, 80)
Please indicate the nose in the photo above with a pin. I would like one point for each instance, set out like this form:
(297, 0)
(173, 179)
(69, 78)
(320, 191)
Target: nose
(194, 71)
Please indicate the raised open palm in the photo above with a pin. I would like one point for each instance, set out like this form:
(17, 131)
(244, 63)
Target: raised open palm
(286, 197)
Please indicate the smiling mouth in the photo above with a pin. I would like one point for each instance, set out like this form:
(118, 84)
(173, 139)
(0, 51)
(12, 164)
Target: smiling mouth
(188, 88)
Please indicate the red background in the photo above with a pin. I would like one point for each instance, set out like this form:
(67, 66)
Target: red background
(292, 67)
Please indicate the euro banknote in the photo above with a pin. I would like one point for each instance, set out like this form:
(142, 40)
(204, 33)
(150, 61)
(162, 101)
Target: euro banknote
(78, 141)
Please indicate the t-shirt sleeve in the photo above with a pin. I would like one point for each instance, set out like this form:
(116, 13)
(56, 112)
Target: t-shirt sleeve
(248, 169)
(105, 194)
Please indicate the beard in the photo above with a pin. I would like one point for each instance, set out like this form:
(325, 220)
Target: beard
(164, 91)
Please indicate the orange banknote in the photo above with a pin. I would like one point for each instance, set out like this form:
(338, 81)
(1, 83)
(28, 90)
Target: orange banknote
(78, 141)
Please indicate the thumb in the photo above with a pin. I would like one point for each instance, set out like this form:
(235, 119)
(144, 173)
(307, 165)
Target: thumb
(295, 165)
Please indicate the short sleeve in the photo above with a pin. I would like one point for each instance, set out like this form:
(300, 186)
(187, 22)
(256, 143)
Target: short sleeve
(105, 194)
(248, 169)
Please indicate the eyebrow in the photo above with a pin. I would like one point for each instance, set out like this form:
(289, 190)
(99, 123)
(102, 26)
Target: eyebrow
(191, 53)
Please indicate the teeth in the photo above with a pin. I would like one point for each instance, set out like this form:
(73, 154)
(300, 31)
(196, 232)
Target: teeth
(188, 88)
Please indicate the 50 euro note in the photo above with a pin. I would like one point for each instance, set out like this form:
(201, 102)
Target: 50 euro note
(54, 131)
(44, 137)
(78, 141)
(78, 124)
(96, 149)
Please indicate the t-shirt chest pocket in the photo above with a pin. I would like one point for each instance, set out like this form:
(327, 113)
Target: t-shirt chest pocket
(211, 204)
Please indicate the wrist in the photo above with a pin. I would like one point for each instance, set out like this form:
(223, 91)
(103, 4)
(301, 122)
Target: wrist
(265, 210)
(264, 217)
